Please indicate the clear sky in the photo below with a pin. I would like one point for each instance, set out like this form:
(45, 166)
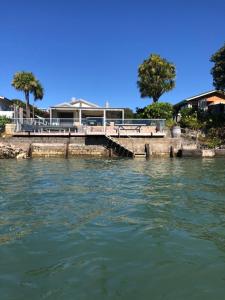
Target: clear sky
(91, 49)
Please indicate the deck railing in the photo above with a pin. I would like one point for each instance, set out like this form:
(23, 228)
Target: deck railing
(86, 125)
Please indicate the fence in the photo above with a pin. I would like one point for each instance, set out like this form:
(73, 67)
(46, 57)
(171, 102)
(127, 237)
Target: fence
(90, 124)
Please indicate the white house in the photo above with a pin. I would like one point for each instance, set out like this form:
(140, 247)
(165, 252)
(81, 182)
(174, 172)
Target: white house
(82, 111)
(6, 107)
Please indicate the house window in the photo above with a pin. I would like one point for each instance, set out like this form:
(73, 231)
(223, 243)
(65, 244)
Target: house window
(202, 104)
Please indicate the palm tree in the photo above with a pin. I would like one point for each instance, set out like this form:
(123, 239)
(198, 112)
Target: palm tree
(38, 93)
(26, 82)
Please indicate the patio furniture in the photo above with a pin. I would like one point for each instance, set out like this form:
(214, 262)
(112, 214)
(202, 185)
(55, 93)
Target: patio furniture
(136, 127)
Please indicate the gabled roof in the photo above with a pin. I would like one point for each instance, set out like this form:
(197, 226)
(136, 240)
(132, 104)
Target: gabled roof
(75, 101)
(205, 94)
(4, 98)
(78, 103)
(199, 96)
(63, 104)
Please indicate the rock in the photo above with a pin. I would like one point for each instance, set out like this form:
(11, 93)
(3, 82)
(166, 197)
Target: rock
(208, 152)
(11, 151)
(22, 155)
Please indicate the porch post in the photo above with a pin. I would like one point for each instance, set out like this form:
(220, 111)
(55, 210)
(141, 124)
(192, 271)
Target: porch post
(104, 118)
(123, 116)
(50, 114)
(80, 116)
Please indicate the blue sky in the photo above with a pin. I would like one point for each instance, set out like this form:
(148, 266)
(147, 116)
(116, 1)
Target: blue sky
(91, 49)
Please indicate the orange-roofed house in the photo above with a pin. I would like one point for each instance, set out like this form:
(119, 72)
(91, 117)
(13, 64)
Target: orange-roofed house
(209, 101)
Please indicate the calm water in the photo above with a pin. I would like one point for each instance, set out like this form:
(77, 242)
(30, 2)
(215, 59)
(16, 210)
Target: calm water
(112, 229)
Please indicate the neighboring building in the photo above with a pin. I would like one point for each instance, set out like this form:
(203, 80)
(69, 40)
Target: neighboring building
(209, 101)
(82, 112)
(6, 107)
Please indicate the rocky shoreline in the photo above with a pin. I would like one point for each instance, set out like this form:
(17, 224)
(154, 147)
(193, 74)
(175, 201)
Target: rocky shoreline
(8, 151)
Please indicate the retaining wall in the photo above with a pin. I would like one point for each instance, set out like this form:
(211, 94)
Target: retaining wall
(63, 146)
(157, 146)
(59, 146)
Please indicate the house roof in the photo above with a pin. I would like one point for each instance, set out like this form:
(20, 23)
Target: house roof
(199, 96)
(5, 100)
(75, 101)
(78, 103)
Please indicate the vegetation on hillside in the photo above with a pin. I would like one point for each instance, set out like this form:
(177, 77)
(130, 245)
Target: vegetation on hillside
(189, 119)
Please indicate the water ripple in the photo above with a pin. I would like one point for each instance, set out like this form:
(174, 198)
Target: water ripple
(112, 229)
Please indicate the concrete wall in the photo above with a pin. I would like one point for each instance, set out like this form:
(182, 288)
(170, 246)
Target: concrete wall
(158, 146)
(93, 145)
(97, 146)
(58, 146)
(92, 150)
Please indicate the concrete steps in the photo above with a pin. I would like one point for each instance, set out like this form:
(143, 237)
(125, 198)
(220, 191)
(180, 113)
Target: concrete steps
(139, 155)
(118, 148)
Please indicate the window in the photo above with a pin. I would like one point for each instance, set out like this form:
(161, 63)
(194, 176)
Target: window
(202, 104)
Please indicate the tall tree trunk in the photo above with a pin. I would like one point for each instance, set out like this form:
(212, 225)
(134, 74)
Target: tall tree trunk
(27, 105)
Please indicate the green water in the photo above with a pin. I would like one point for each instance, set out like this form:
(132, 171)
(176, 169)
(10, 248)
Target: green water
(112, 229)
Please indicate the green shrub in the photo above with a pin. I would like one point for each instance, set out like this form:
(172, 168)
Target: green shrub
(158, 110)
(213, 142)
(170, 123)
(3, 120)
(214, 137)
(189, 119)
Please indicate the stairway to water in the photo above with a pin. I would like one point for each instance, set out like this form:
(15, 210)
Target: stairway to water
(118, 148)
(123, 150)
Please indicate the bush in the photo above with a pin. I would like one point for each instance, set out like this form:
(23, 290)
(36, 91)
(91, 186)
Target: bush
(158, 110)
(214, 137)
(209, 142)
(3, 120)
(189, 119)
(170, 123)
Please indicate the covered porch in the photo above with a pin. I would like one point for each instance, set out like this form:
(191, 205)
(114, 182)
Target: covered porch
(85, 116)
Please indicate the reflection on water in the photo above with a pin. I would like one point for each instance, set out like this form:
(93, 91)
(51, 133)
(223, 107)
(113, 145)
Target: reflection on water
(112, 229)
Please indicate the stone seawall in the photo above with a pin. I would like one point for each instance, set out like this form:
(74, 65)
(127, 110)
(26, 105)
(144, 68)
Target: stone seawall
(56, 146)
(63, 146)
(157, 146)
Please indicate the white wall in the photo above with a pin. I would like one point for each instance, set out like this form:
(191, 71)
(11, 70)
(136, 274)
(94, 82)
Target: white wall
(8, 114)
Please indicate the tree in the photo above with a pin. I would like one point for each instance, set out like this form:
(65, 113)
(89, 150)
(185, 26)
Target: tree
(128, 113)
(160, 110)
(218, 70)
(38, 93)
(155, 77)
(26, 82)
